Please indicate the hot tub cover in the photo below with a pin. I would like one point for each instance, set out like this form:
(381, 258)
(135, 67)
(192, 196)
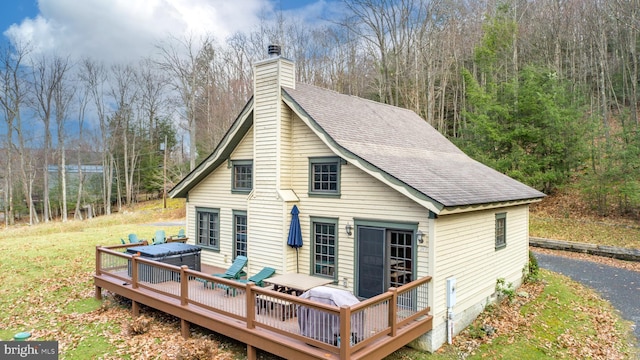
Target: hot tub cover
(163, 250)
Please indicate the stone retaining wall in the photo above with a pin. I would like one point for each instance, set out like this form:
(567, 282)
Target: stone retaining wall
(601, 250)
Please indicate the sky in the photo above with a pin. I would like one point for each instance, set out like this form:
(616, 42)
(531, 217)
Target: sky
(118, 29)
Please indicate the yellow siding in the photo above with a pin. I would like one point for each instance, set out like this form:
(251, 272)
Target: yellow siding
(215, 192)
(286, 149)
(362, 197)
(266, 210)
(465, 249)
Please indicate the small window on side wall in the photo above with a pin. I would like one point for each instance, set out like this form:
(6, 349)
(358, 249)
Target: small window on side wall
(241, 176)
(501, 230)
(208, 223)
(240, 233)
(324, 176)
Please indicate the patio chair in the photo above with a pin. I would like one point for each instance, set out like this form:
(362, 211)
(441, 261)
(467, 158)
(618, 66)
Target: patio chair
(159, 238)
(257, 279)
(234, 271)
(133, 238)
(181, 234)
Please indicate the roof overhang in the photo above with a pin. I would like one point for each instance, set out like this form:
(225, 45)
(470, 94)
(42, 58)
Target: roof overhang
(476, 207)
(225, 147)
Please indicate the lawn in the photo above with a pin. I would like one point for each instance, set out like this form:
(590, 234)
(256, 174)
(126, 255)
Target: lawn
(46, 288)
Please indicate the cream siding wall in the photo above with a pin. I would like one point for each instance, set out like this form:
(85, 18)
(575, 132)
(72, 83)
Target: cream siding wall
(215, 192)
(266, 211)
(465, 249)
(362, 197)
(265, 126)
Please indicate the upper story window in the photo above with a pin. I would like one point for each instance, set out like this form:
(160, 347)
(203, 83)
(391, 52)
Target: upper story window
(501, 230)
(241, 176)
(208, 227)
(324, 176)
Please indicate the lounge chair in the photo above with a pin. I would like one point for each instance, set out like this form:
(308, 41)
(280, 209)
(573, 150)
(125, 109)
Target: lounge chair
(234, 271)
(159, 238)
(133, 238)
(257, 279)
(260, 277)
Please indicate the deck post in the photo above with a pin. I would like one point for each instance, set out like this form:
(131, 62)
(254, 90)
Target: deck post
(134, 271)
(135, 309)
(251, 306)
(98, 289)
(184, 329)
(345, 332)
(251, 353)
(98, 261)
(393, 306)
(184, 285)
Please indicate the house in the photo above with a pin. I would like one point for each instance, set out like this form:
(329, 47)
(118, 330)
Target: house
(383, 199)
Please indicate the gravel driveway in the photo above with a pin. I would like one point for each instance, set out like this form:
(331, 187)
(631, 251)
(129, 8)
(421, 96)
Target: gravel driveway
(620, 287)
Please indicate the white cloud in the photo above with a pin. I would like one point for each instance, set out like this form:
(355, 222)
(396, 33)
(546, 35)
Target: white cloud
(117, 30)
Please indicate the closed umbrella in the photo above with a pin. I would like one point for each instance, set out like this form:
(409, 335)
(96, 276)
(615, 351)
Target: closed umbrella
(295, 233)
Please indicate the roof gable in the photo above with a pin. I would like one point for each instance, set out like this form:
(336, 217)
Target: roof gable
(393, 144)
(406, 148)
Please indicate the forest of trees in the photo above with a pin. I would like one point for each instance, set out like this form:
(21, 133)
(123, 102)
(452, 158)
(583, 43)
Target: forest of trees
(545, 91)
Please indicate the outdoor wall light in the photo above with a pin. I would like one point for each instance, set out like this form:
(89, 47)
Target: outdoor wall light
(349, 229)
(419, 236)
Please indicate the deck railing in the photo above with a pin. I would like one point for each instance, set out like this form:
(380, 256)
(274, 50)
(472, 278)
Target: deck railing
(313, 323)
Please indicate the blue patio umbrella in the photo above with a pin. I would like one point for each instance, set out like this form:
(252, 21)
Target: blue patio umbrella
(295, 233)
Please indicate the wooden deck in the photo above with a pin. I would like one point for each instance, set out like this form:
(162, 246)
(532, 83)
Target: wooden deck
(263, 318)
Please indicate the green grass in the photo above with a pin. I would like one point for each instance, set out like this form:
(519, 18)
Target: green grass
(46, 288)
(46, 278)
(560, 323)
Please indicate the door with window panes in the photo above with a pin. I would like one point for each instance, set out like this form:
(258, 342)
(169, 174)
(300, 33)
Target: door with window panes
(385, 259)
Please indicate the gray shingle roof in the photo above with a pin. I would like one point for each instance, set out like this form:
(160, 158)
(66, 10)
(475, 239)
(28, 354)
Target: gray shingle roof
(401, 144)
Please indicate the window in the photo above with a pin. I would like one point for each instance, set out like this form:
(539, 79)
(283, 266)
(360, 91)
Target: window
(208, 228)
(400, 257)
(239, 233)
(324, 247)
(501, 230)
(324, 176)
(242, 176)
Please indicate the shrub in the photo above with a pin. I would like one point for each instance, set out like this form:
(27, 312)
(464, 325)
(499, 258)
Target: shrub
(505, 290)
(532, 269)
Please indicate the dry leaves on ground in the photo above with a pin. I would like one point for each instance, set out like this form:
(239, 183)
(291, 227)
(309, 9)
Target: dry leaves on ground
(506, 318)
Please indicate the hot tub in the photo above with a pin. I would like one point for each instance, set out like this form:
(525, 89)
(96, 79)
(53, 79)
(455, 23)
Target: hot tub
(176, 253)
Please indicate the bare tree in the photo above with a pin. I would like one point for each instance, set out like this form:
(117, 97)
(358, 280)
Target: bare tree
(48, 75)
(180, 59)
(13, 100)
(83, 100)
(94, 77)
(11, 97)
(63, 93)
(124, 93)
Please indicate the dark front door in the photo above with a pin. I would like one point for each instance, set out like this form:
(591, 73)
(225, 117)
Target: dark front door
(371, 254)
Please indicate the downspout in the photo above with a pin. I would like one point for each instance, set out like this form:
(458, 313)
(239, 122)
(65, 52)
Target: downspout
(451, 302)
